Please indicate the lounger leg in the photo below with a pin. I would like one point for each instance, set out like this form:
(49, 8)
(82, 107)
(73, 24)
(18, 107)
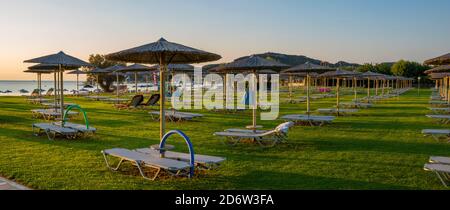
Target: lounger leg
(138, 163)
(441, 178)
(109, 166)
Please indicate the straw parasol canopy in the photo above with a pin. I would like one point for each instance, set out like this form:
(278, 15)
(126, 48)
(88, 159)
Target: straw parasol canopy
(338, 74)
(443, 68)
(441, 60)
(252, 64)
(305, 69)
(63, 61)
(163, 52)
(436, 76)
(52, 67)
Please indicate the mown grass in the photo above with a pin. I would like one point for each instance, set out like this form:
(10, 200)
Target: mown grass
(379, 148)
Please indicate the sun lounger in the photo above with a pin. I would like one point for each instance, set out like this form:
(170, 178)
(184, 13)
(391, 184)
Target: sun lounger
(50, 114)
(335, 111)
(142, 161)
(445, 119)
(38, 100)
(115, 100)
(96, 98)
(152, 101)
(82, 129)
(202, 161)
(52, 105)
(439, 103)
(52, 131)
(311, 120)
(441, 170)
(356, 105)
(439, 110)
(264, 139)
(175, 116)
(440, 160)
(437, 134)
(134, 103)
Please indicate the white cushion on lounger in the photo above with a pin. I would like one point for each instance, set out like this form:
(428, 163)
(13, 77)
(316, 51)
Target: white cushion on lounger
(78, 127)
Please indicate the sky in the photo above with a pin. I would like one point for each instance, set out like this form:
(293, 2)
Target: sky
(362, 31)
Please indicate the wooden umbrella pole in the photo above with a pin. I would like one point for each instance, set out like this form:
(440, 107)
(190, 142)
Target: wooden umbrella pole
(78, 87)
(290, 87)
(61, 72)
(354, 89)
(55, 92)
(255, 103)
(117, 86)
(162, 92)
(337, 96)
(136, 82)
(368, 89)
(308, 101)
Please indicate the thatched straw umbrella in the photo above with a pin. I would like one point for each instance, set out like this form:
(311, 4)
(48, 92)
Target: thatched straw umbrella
(370, 75)
(252, 64)
(77, 72)
(306, 68)
(64, 62)
(441, 60)
(444, 80)
(338, 74)
(163, 53)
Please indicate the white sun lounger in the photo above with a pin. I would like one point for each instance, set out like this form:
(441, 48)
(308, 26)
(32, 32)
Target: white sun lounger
(335, 111)
(438, 103)
(441, 170)
(52, 131)
(437, 134)
(97, 98)
(445, 119)
(439, 110)
(203, 161)
(141, 161)
(312, 120)
(78, 127)
(356, 105)
(264, 139)
(38, 100)
(440, 160)
(50, 114)
(176, 116)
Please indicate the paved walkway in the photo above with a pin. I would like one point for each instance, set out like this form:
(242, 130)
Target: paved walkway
(9, 185)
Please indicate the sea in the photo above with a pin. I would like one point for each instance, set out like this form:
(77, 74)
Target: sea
(13, 87)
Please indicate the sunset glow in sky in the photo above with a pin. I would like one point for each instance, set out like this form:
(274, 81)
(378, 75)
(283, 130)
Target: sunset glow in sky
(331, 30)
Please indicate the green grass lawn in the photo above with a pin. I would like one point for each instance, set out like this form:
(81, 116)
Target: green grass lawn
(379, 148)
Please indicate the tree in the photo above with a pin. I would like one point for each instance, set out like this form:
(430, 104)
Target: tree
(383, 68)
(366, 67)
(104, 81)
(400, 68)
